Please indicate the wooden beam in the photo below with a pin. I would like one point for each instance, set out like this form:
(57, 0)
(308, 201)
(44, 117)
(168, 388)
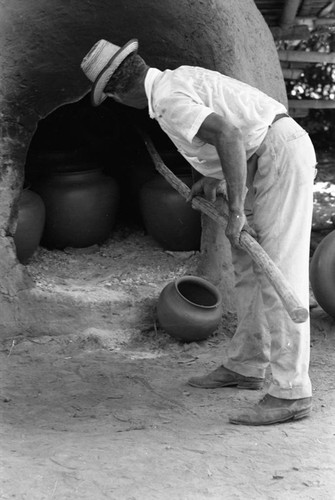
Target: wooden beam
(325, 21)
(313, 21)
(311, 104)
(309, 57)
(291, 33)
(314, 6)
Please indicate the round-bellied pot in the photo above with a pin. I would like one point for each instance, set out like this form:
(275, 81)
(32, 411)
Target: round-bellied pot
(30, 224)
(322, 274)
(189, 308)
(81, 208)
(49, 161)
(167, 217)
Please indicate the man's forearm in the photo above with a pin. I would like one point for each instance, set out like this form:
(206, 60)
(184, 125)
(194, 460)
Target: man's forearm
(233, 162)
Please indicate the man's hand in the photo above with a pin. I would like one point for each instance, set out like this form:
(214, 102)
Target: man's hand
(237, 222)
(208, 186)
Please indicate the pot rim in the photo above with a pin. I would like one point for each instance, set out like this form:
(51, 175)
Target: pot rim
(68, 173)
(206, 284)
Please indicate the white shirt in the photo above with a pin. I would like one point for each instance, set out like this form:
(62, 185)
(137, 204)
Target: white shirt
(181, 99)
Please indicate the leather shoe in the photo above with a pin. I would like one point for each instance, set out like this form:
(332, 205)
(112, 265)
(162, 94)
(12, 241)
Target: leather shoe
(222, 377)
(271, 410)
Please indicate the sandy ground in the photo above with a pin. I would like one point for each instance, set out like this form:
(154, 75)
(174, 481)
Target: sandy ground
(83, 417)
(82, 421)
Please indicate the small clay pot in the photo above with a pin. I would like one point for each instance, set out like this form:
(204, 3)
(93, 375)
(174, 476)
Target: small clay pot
(189, 308)
(322, 274)
(30, 224)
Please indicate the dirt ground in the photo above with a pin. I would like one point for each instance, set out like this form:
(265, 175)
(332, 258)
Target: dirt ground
(82, 421)
(86, 417)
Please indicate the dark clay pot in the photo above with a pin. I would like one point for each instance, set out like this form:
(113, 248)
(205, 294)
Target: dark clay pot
(46, 162)
(189, 309)
(322, 274)
(167, 217)
(30, 224)
(81, 208)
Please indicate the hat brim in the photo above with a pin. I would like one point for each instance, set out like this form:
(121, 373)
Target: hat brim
(97, 94)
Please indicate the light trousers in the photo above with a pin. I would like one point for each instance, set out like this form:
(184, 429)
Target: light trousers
(279, 206)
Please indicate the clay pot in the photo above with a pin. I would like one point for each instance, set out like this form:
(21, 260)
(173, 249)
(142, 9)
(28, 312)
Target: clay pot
(30, 224)
(81, 208)
(189, 309)
(322, 273)
(46, 162)
(172, 222)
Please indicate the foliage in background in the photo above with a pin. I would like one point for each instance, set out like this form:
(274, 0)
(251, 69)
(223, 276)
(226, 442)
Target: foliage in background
(320, 125)
(317, 81)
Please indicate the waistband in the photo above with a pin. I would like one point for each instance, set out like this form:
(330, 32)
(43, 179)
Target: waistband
(257, 153)
(278, 117)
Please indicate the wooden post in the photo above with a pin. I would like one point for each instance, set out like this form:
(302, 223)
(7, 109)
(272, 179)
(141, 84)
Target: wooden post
(289, 13)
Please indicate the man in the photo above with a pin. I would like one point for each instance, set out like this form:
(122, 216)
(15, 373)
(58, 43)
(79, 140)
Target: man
(232, 131)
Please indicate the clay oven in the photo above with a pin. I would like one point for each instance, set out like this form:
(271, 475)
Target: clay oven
(42, 46)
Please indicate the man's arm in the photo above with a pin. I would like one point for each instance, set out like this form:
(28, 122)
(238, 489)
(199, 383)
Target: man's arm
(227, 140)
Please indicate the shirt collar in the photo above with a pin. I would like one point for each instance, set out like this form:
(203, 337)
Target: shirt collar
(149, 81)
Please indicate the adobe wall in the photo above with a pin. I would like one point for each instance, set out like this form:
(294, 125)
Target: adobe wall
(42, 45)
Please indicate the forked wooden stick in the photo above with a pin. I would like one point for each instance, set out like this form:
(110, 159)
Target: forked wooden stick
(291, 302)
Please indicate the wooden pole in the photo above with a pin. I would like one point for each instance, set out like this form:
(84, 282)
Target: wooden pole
(289, 13)
(291, 302)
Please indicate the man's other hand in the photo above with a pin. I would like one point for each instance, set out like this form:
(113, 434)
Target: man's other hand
(209, 187)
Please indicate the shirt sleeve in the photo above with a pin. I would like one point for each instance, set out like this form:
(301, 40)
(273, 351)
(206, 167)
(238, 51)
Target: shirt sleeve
(180, 115)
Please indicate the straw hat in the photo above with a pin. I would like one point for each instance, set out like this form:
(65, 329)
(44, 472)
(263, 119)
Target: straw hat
(101, 62)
